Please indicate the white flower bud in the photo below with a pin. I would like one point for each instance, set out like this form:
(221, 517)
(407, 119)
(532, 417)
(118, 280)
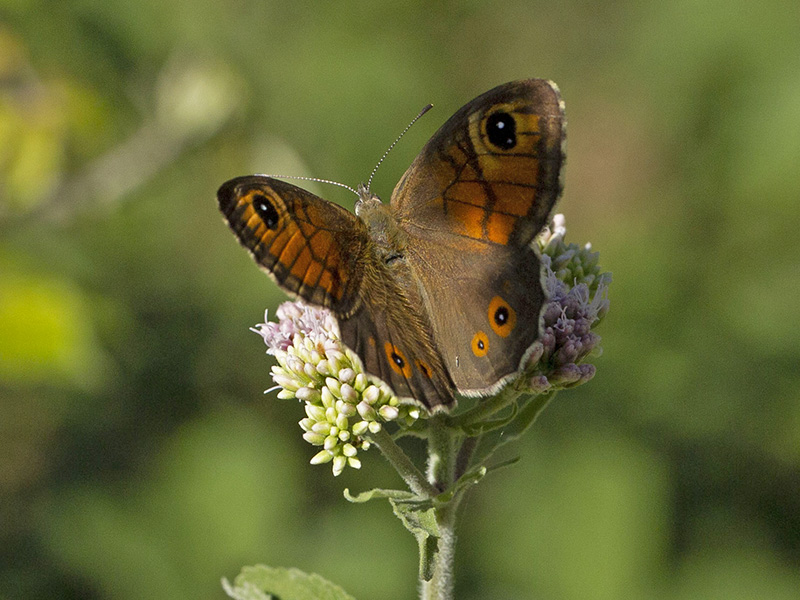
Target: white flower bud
(320, 457)
(389, 413)
(366, 411)
(349, 450)
(349, 394)
(339, 463)
(327, 398)
(322, 427)
(372, 394)
(347, 375)
(317, 413)
(314, 439)
(360, 428)
(341, 421)
(307, 394)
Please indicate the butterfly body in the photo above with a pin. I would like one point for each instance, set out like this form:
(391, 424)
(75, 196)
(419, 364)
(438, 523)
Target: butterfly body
(439, 291)
(389, 238)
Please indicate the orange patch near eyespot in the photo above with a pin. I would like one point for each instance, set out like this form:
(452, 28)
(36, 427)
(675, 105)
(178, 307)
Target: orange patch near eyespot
(480, 344)
(519, 169)
(528, 124)
(292, 249)
(279, 242)
(260, 234)
(320, 243)
(397, 360)
(313, 274)
(423, 368)
(247, 211)
(502, 317)
(513, 199)
(253, 221)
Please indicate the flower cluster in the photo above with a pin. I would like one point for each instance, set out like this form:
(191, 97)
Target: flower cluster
(342, 403)
(577, 300)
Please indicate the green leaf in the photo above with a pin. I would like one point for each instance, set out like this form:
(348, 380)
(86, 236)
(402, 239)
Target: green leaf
(261, 582)
(378, 493)
(465, 481)
(531, 408)
(419, 517)
(481, 427)
(503, 465)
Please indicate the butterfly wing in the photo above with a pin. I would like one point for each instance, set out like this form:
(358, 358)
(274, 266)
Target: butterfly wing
(471, 203)
(322, 253)
(395, 345)
(312, 248)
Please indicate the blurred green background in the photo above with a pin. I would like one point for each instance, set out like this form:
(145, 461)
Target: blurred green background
(138, 456)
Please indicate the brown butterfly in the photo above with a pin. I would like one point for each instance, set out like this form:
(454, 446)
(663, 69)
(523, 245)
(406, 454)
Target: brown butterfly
(439, 292)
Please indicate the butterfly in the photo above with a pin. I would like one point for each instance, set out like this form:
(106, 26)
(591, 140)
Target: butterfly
(439, 292)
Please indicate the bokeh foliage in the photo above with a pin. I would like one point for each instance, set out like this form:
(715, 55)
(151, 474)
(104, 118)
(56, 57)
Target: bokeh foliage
(138, 457)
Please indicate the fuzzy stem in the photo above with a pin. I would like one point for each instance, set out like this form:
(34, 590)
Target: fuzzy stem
(442, 584)
(441, 471)
(413, 477)
(441, 454)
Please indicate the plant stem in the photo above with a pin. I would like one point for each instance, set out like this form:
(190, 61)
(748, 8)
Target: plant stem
(441, 471)
(442, 584)
(441, 453)
(413, 477)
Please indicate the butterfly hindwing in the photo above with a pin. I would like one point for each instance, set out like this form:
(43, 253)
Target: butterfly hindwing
(399, 354)
(487, 308)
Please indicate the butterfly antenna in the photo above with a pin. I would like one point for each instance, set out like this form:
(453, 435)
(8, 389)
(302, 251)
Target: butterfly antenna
(347, 187)
(394, 143)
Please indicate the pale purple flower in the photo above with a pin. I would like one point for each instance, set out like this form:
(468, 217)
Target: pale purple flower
(577, 300)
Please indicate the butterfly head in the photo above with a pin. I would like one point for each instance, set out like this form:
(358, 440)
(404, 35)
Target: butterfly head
(367, 201)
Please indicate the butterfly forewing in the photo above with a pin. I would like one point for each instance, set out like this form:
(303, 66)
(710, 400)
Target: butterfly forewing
(492, 173)
(311, 247)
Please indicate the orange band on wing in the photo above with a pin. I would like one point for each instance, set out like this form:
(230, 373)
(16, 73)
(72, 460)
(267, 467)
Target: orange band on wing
(468, 217)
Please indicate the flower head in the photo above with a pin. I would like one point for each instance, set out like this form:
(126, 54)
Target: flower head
(342, 403)
(577, 300)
